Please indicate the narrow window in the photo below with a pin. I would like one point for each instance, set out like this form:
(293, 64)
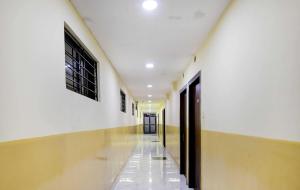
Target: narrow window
(123, 101)
(136, 108)
(81, 69)
(132, 108)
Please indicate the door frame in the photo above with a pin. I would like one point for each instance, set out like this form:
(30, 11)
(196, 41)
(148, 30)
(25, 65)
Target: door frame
(158, 125)
(193, 138)
(182, 136)
(164, 126)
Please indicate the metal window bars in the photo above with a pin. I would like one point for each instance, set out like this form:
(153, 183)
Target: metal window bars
(81, 69)
(123, 101)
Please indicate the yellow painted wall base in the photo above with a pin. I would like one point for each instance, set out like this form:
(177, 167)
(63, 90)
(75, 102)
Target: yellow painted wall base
(172, 142)
(160, 132)
(140, 129)
(77, 161)
(236, 162)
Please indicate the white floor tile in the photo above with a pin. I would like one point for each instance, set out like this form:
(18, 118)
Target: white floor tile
(143, 173)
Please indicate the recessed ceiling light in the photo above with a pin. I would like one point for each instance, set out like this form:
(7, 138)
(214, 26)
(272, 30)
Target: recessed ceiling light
(149, 85)
(150, 5)
(149, 65)
(149, 95)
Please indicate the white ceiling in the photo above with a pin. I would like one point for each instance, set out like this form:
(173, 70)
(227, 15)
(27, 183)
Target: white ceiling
(167, 37)
(144, 106)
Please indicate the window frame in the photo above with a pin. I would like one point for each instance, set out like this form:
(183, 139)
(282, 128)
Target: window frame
(132, 109)
(81, 68)
(122, 101)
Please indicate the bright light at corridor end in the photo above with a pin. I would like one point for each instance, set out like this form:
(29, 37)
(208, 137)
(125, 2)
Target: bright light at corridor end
(149, 85)
(149, 65)
(150, 5)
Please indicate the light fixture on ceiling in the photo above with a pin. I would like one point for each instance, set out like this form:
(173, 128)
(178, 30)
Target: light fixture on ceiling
(149, 65)
(149, 95)
(149, 85)
(150, 5)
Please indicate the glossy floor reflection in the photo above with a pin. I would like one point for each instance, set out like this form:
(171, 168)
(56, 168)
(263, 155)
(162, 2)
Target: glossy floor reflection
(143, 172)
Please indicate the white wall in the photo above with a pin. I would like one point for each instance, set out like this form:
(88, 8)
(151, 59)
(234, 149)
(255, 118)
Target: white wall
(172, 109)
(145, 107)
(250, 69)
(34, 100)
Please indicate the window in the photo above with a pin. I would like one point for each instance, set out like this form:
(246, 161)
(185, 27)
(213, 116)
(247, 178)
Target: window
(81, 69)
(132, 108)
(136, 108)
(123, 101)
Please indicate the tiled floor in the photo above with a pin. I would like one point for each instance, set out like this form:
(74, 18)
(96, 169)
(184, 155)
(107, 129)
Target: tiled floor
(142, 172)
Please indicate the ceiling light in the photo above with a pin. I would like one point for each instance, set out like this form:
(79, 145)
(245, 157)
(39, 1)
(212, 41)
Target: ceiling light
(149, 66)
(150, 5)
(149, 85)
(149, 95)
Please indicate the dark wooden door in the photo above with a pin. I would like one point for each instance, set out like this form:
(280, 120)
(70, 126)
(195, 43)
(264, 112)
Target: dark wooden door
(164, 127)
(195, 133)
(198, 136)
(183, 113)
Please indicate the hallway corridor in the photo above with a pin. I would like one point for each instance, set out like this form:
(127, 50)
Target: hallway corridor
(142, 171)
(150, 95)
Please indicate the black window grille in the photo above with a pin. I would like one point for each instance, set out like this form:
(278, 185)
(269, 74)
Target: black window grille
(136, 108)
(81, 69)
(123, 101)
(132, 108)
